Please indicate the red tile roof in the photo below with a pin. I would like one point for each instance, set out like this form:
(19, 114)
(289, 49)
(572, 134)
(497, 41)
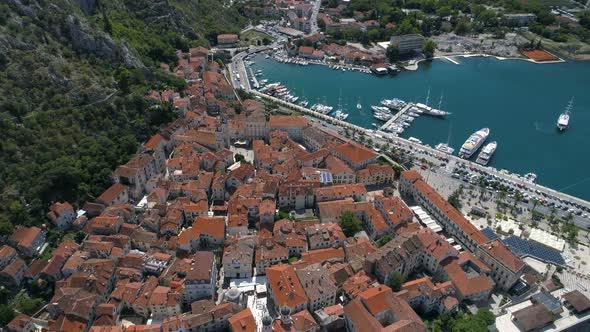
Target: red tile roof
(243, 321)
(287, 121)
(355, 152)
(25, 236)
(286, 286)
(457, 217)
(503, 254)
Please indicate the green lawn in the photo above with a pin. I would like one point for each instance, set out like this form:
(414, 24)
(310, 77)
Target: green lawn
(253, 37)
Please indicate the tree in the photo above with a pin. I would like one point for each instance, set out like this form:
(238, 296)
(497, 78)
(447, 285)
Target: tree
(18, 214)
(395, 281)
(107, 26)
(350, 224)
(429, 47)
(6, 228)
(29, 306)
(462, 28)
(239, 158)
(570, 230)
(383, 240)
(455, 200)
(392, 53)
(535, 202)
(6, 314)
(585, 20)
(471, 323)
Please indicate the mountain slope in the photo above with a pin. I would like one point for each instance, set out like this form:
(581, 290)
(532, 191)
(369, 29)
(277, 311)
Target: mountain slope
(72, 75)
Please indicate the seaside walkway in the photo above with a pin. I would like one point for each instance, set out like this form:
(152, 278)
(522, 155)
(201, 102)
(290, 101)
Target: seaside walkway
(315, 114)
(381, 137)
(395, 117)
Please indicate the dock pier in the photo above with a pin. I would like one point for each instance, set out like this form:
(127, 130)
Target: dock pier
(254, 79)
(395, 117)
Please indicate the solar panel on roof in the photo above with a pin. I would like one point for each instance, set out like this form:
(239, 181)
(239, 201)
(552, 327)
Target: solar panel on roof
(490, 234)
(530, 248)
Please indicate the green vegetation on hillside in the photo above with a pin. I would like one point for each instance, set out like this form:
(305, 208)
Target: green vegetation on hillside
(73, 81)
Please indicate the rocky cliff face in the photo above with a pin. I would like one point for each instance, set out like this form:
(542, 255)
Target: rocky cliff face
(99, 43)
(81, 35)
(89, 7)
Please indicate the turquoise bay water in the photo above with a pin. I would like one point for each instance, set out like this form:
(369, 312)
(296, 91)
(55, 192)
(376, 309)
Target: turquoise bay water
(519, 101)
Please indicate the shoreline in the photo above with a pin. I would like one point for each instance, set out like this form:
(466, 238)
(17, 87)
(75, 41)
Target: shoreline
(414, 66)
(467, 55)
(370, 132)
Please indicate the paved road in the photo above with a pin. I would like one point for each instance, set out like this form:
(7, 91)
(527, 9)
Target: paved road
(313, 20)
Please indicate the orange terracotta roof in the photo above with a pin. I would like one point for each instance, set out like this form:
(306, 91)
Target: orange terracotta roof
(286, 286)
(154, 142)
(355, 152)
(25, 236)
(320, 256)
(457, 217)
(243, 321)
(113, 191)
(341, 190)
(500, 252)
(466, 285)
(287, 121)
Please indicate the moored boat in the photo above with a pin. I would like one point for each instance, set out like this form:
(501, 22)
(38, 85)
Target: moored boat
(486, 153)
(473, 143)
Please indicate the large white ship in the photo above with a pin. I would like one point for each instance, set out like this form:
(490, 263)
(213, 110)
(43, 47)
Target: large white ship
(473, 143)
(486, 153)
(564, 118)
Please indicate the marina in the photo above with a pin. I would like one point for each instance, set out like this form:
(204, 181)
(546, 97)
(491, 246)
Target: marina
(472, 93)
(417, 145)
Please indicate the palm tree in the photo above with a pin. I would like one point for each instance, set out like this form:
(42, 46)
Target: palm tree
(552, 213)
(535, 202)
(501, 196)
(482, 187)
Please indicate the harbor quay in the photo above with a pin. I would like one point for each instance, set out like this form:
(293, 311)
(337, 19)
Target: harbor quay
(381, 137)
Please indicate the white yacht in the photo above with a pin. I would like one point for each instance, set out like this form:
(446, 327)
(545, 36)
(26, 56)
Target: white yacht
(380, 109)
(414, 140)
(486, 153)
(473, 143)
(564, 118)
(382, 116)
(340, 115)
(394, 104)
(324, 109)
(444, 147)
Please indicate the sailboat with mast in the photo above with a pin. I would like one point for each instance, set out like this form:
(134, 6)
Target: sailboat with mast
(564, 118)
(432, 111)
(445, 147)
(358, 104)
(339, 114)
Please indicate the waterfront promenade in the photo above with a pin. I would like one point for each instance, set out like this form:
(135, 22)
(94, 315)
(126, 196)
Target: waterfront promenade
(381, 137)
